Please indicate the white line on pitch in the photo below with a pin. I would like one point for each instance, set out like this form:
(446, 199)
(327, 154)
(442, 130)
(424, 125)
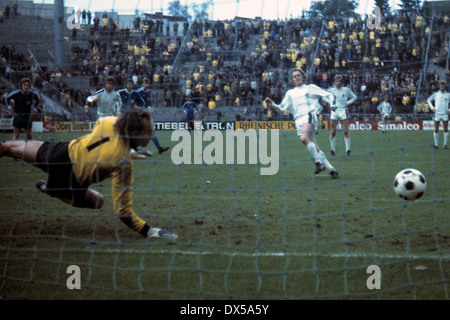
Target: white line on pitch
(445, 256)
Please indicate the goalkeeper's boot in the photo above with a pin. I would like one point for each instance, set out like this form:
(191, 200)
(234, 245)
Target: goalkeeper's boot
(161, 233)
(41, 185)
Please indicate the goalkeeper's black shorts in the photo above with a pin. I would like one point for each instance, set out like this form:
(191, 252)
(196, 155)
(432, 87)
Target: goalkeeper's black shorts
(53, 158)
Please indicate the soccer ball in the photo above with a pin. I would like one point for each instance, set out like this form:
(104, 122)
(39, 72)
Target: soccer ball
(410, 184)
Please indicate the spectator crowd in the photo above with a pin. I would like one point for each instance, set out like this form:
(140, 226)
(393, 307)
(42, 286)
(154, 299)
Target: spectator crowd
(239, 62)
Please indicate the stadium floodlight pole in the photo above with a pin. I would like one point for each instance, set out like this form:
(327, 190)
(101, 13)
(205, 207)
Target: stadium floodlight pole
(311, 70)
(448, 58)
(425, 65)
(33, 57)
(278, 17)
(176, 61)
(58, 25)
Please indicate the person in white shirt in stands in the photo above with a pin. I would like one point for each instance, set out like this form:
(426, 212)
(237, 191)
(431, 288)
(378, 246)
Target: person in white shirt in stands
(344, 98)
(441, 110)
(385, 109)
(108, 101)
(301, 102)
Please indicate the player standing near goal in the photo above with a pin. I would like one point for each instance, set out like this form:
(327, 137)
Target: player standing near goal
(130, 98)
(190, 109)
(73, 166)
(109, 103)
(301, 102)
(385, 109)
(21, 103)
(144, 93)
(344, 98)
(441, 110)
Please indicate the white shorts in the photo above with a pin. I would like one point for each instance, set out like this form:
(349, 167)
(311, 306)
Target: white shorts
(385, 115)
(307, 118)
(339, 114)
(441, 117)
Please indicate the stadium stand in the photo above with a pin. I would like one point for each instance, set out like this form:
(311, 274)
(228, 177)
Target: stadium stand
(235, 63)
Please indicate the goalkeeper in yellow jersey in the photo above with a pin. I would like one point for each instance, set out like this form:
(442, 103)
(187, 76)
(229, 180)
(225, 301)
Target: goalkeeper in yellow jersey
(106, 152)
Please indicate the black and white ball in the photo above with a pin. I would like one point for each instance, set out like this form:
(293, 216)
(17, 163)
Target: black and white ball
(410, 184)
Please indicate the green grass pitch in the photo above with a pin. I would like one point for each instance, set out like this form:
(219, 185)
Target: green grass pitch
(293, 235)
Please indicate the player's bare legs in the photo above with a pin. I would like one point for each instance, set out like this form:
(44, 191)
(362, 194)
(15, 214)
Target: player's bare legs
(445, 124)
(16, 133)
(385, 123)
(92, 200)
(436, 134)
(345, 125)
(333, 125)
(321, 161)
(20, 149)
(28, 134)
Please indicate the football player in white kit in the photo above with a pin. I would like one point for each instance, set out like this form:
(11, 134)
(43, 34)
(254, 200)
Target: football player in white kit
(385, 109)
(344, 98)
(441, 110)
(301, 102)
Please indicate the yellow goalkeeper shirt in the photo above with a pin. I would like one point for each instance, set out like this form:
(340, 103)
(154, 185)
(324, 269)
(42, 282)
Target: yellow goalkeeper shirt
(103, 154)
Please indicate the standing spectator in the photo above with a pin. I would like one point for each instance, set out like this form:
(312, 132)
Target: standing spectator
(21, 103)
(7, 11)
(15, 9)
(211, 104)
(83, 16)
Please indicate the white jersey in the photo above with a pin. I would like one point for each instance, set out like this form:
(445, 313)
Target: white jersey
(384, 108)
(109, 103)
(318, 108)
(441, 101)
(302, 100)
(343, 96)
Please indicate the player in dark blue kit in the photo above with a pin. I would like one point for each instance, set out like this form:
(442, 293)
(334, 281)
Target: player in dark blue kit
(144, 94)
(130, 98)
(21, 103)
(190, 109)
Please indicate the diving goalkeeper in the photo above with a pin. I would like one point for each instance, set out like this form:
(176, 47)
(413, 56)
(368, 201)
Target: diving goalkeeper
(106, 152)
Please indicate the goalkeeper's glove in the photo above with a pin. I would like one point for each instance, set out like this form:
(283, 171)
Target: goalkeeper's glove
(161, 233)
